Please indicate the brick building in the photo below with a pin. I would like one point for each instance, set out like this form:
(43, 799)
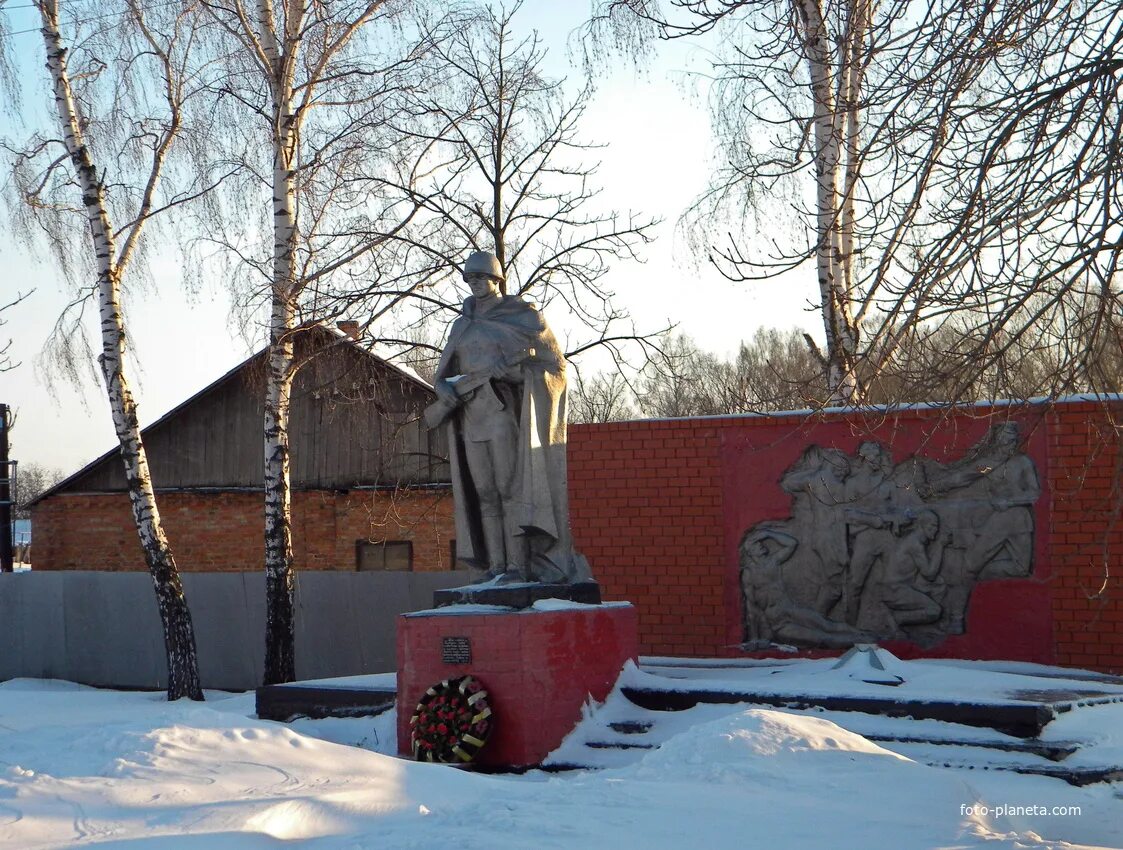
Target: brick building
(370, 483)
(660, 508)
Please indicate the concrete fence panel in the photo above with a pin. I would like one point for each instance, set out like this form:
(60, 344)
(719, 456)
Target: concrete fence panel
(112, 630)
(102, 628)
(33, 626)
(228, 610)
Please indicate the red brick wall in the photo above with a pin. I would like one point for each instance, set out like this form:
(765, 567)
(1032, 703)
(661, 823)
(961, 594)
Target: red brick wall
(1087, 536)
(658, 508)
(224, 530)
(646, 510)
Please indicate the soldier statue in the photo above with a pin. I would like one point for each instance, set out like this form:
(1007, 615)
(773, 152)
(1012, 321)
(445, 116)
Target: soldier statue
(501, 391)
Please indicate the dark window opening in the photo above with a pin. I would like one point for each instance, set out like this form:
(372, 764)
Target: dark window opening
(387, 556)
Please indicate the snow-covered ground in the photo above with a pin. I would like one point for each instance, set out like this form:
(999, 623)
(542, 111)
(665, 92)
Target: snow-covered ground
(80, 766)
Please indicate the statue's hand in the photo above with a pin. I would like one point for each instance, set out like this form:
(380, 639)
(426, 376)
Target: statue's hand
(446, 392)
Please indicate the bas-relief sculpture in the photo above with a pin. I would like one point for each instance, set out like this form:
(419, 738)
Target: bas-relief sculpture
(874, 550)
(501, 389)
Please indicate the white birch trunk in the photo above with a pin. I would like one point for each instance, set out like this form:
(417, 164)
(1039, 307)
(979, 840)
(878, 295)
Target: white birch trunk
(861, 13)
(179, 636)
(280, 658)
(277, 50)
(280, 654)
(838, 327)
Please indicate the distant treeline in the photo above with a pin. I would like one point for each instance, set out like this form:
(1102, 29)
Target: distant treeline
(781, 370)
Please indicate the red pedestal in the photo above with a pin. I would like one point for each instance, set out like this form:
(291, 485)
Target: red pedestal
(538, 667)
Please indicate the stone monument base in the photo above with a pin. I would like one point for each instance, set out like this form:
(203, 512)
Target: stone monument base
(517, 595)
(538, 667)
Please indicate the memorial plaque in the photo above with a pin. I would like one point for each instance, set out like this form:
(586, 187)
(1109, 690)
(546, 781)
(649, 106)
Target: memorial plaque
(456, 650)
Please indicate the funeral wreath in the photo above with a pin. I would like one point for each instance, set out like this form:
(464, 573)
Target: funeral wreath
(452, 721)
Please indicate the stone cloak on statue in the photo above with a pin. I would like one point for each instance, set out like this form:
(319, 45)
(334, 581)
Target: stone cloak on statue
(542, 502)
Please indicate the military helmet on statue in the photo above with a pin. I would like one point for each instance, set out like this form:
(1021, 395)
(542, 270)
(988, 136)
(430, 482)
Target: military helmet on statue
(483, 262)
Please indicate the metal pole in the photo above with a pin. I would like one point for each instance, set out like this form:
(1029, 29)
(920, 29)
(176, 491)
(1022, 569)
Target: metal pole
(13, 489)
(5, 494)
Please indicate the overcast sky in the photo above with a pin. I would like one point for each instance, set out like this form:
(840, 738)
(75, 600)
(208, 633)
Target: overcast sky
(657, 159)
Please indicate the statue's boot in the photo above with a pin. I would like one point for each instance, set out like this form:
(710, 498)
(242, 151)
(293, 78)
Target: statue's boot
(518, 555)
(512, 575)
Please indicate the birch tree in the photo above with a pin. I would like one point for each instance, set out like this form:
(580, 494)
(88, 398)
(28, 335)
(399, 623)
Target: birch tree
(826, 47)
(891, 132)
(310, 86)
(118, 107)
(1025, 246)
(6, 346)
